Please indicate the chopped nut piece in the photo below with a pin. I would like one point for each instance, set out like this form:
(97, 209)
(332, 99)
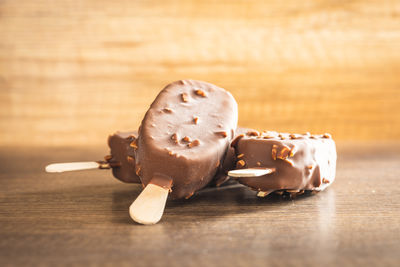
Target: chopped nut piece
(325, 181)
(130, 159)
(108, 157)
(133, 144)
(253, 133)
(284, 153)
(310, 167)
(186, 139)
(258, 163)
(273, 152)
(170, 153)
(294, 136)
(200, 93)
(194, 143)
(167, 110)
(240, 156)
(196, 120)
(241, 163)
(222, 134)
(267, 136)
(184, 97)
(326, 135)
(175, 138)
(313, 136)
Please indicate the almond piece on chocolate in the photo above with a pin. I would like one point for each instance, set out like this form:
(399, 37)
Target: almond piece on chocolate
(200, 93)
(273, 151)
(241, 163)
(194, 143)
(284, 153)
(222, 134)
(184, 97)
(240, 156)
(130, 159)
(133, 144)
(186, 139)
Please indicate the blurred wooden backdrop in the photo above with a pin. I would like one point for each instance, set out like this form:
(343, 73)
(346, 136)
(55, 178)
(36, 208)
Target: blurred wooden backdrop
(73, 71)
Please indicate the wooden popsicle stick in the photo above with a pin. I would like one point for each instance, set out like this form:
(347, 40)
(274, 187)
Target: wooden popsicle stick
(148, 207)
(250, 172)
(75, 166)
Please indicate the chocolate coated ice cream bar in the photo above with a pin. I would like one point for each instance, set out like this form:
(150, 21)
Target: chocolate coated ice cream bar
(302, 162)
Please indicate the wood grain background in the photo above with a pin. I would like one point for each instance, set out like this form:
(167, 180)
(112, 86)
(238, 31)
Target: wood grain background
(71, 72)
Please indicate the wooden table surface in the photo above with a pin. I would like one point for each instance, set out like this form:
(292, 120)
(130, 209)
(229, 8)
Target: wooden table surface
(74, 71)
(81, 218)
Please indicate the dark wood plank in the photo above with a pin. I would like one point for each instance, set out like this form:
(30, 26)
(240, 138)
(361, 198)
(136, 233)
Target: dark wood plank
(81, 218)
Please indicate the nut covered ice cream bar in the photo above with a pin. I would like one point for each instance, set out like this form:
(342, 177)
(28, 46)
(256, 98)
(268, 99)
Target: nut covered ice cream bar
(301, 162)
(185, 135)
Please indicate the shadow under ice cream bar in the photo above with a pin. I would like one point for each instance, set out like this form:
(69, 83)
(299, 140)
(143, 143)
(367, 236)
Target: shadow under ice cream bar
(183, 138)
(300, 162)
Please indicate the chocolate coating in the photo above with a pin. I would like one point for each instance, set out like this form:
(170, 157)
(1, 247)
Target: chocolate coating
(121, 152)
(302, 162)
(185, 135)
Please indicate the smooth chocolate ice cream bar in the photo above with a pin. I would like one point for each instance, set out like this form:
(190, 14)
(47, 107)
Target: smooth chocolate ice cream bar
(301, 161)
(185, 135)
